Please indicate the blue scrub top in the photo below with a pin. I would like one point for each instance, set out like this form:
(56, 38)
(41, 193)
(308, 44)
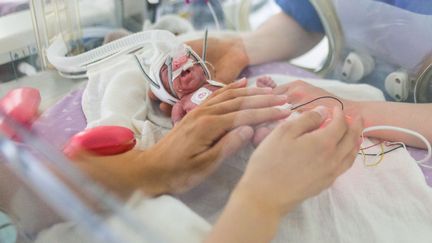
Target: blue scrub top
(304, 13)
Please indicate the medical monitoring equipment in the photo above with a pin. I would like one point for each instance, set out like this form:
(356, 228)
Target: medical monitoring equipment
(42, 194)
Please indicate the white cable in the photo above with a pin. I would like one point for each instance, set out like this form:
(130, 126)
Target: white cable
(410, 132)
(213, 13)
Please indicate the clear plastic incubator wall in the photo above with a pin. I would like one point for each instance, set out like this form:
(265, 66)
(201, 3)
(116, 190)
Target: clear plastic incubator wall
(44, 196)
(42, 193)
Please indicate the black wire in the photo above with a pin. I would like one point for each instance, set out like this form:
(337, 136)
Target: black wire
(342, 107)
(322, 97)
(388, 151)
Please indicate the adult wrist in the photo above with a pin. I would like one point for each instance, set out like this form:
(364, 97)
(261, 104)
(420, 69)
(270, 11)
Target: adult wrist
(353, 108)
(242, 55)
(153, 178)
(255, 210)
(258, 203)
(248, 42)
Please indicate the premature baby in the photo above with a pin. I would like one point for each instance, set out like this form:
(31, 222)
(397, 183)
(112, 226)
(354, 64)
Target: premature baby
(191, 85)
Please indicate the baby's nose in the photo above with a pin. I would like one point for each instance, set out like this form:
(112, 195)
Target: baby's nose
(179, 61)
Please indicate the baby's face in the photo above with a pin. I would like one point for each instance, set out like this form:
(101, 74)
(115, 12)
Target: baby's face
(187, 82)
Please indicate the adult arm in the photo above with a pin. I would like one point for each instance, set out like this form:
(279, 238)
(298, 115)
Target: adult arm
(416, 117)
(296, 161)
(279, 38)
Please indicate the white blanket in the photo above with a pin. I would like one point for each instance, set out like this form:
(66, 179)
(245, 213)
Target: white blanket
(388, 203)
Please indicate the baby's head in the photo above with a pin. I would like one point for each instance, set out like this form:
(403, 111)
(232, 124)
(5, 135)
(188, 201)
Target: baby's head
(187, 73)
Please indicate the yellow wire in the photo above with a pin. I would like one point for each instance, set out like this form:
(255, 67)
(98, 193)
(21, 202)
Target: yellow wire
(379, 160)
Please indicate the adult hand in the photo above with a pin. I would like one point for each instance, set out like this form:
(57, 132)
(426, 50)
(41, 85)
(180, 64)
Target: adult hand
(300, 92)
(299, 159)
(227, 57)
(216, 129)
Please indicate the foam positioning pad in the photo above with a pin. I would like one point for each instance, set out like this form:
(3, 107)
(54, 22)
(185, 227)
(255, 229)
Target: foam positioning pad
(102, 141)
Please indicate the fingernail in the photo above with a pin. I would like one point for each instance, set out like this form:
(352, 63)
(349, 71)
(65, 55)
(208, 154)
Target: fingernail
(240, 81)
(322, 110)
(285, 106)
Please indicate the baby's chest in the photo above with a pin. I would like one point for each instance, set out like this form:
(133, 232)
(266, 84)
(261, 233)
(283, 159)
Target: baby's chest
(196, 98)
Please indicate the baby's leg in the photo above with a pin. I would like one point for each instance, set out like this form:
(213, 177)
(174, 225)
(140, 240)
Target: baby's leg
(265, 81)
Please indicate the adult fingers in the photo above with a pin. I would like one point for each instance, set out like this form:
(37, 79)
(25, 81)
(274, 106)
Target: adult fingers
(238, 84)
(336, 128)
(251, 117)
(305, 122)
(350, 141)
(211, 158)
(230, 94)
(248, 102)
(228, 145)
(216, 126)
(347, 161)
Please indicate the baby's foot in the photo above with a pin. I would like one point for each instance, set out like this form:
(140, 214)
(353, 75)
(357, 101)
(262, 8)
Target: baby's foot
(265, 81)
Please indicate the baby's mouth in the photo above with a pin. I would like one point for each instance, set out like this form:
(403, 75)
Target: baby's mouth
(187, 80)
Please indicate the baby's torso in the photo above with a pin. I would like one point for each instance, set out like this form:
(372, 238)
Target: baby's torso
(194, 99)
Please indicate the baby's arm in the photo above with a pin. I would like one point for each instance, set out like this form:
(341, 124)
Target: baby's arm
(178, 112)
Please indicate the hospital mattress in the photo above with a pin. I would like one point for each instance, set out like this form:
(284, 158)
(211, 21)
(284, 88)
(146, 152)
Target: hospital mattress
(60, 122)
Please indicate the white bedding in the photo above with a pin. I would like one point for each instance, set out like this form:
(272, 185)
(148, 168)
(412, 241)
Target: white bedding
(388, 203)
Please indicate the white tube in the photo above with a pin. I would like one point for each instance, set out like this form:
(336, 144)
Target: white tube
(410, 132)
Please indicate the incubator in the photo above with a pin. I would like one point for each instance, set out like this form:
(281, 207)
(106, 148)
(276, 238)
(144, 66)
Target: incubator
(43, 195)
